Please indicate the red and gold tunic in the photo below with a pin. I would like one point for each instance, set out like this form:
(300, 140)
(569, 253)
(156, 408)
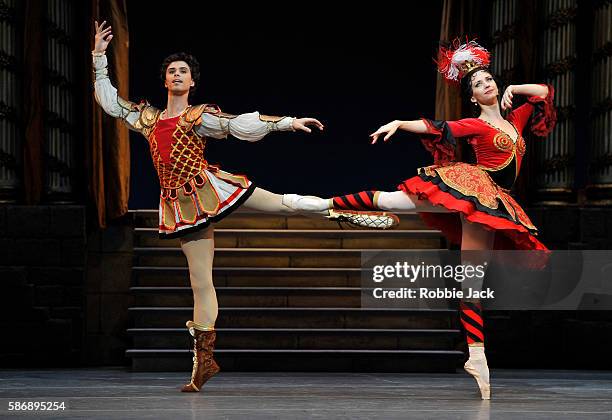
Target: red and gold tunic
(193, 192)
(480, 190)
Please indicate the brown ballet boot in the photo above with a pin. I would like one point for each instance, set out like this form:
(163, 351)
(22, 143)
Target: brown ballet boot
(204, 365)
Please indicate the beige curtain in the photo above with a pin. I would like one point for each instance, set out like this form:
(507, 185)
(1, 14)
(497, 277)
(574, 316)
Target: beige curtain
(109, 148)
(448, 100)
(459, 18)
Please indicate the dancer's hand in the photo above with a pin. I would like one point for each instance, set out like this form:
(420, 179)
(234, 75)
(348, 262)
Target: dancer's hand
(103, 37)
(389, 129)
(303, 123)
(506, 101)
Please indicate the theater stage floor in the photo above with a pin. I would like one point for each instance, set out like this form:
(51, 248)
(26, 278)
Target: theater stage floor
(117, 393)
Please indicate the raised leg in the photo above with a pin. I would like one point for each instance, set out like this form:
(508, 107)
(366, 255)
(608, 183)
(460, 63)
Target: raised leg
(262, 200)
(396, 201)
(266, 201)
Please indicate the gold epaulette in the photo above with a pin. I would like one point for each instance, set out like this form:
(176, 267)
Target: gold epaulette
(148, 117)
(194, 113)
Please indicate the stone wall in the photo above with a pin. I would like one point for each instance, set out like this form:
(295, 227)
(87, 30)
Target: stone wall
(557, 339)
(107, 294)
(42, 261)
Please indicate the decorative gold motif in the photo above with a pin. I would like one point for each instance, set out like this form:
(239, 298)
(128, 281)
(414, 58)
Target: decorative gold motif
(428, 170)
(240, 181)
(467, 66)
(470, 181)
(498, 167)
(270, 118)
(187, 195)
(521, 146)
(196, 198)
(509, 208)
(200, 327)
(187, 149)
(503, 142)
(521, 216)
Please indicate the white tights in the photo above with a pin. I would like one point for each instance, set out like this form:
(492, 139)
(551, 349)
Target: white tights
(389, 201)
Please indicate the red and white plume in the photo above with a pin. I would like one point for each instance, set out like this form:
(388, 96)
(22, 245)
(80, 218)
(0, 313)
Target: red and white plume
(458, 60)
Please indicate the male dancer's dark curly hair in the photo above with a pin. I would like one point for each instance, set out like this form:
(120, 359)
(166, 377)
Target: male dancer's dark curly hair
(191, 61)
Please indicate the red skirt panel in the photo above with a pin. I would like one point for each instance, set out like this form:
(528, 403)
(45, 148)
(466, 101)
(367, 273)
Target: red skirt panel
(469, 190)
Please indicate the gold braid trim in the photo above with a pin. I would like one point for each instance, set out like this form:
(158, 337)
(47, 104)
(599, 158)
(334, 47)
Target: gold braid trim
(226, 115)
(127, 105)
(193, 116)
(194, 112)
(270, 118)
(199, 327)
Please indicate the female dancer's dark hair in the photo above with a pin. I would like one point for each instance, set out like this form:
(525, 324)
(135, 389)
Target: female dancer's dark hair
(467, 93)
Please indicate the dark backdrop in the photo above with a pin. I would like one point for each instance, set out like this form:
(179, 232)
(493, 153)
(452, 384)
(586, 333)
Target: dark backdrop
(353, 68)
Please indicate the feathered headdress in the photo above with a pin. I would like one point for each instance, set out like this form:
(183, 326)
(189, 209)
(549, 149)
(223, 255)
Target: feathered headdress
(460, 59)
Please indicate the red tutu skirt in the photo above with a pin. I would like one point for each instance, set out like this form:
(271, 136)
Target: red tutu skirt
(468, 190)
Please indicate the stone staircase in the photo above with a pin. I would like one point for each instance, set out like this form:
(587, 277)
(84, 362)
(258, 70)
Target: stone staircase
(289, 299)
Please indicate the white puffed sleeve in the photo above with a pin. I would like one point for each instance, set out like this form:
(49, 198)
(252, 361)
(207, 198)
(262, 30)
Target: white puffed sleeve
(107, 97)
(249, 127)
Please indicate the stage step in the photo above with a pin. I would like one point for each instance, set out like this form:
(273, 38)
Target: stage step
(301, 338)
(289, 299)
(252, 276)
(245, 219)
(271, 360)
(253, 296)
(305, 238)
(284, 317)
(261, 257)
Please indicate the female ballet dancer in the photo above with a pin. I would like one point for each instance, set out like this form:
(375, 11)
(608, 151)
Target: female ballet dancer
(470, 201)
(194, 193)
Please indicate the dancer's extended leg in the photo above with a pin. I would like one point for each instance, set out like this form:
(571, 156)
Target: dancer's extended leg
(476, 243)
(266, 201)
(395, 201)
(262, 200)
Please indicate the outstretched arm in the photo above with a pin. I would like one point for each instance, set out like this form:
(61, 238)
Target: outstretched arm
(252, 126)
(414, 126)
(105, 93)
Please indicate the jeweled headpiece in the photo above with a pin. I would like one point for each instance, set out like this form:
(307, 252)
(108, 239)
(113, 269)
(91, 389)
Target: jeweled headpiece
(459, 59)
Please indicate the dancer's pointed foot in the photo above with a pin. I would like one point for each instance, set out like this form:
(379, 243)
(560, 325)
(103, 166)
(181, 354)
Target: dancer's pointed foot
(204, 365)
(478, 368)
(368, 219)
(306, 203)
